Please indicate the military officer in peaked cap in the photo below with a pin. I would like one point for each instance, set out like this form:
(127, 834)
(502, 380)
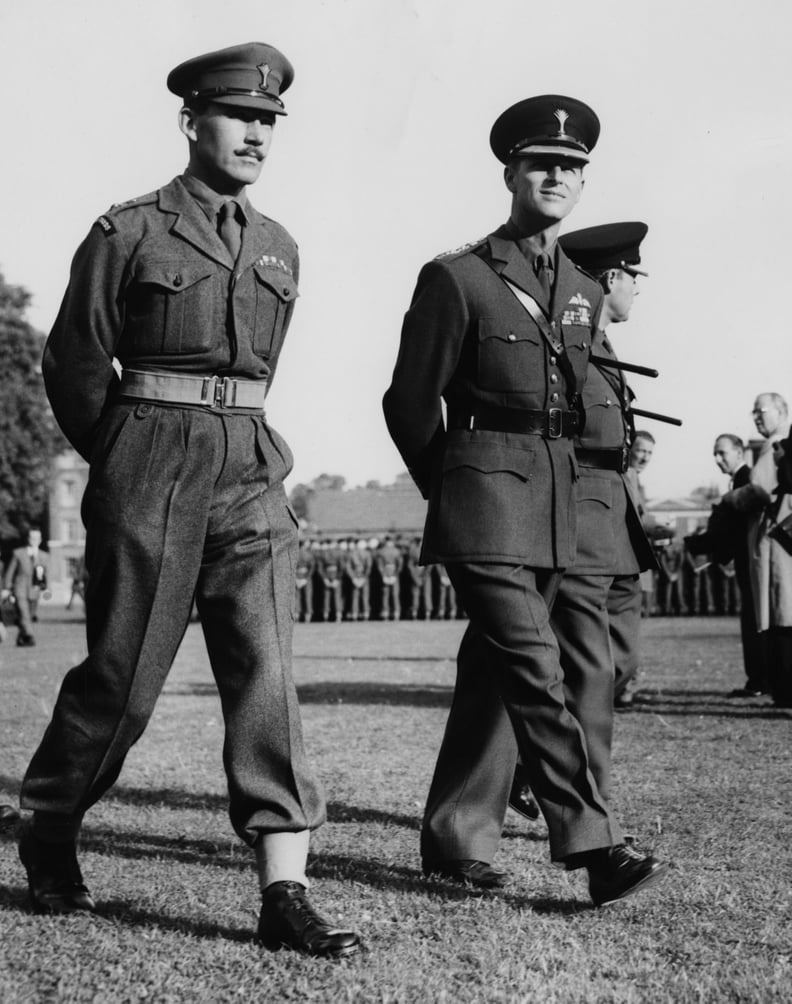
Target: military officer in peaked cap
(597, 610)
(502, 330)
(612, 254)
(191, 290)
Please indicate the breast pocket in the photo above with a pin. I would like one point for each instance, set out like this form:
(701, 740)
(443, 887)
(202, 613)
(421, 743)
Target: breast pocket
(171, 307)
(577, 342)
(510, 356)
(275, 291)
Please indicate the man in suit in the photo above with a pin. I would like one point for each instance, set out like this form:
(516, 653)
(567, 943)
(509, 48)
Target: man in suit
(502, 331)
(191, 290)
(25, 579)
(726, 538)
(729, 453)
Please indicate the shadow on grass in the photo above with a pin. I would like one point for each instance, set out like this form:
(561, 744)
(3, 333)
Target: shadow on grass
(399, 878)
(389, 657)
(332, 692)
(120, 912)
(702, 704)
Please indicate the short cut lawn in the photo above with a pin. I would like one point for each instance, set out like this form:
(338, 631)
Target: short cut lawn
(702, 781)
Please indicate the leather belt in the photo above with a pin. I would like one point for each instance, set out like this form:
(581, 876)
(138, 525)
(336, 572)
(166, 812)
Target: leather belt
(551, 424)
(183, 388)
(616, 458)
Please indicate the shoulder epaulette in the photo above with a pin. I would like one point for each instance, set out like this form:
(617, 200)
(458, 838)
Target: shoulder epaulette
(141, 200)
(582, 271)
(458, 252)
(105, 221)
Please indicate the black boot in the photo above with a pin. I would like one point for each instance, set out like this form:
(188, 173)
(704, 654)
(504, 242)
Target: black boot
(55, 881)
(288, 920)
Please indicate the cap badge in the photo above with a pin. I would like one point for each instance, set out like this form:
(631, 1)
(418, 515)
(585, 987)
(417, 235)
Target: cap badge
(562, 116)
(264, 69)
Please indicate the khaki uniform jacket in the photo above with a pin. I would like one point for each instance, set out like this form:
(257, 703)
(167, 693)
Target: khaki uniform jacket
(154, 286)
(493, 496)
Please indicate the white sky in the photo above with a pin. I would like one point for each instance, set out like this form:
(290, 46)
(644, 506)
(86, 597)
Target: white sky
(384, 162)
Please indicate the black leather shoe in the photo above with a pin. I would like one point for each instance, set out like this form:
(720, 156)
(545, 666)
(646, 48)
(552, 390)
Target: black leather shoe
(744, 692)
(477, 874)
(520, 797)
(25, 641)
(287, 920)
(8, 816)
(620, 872)
(55, 882)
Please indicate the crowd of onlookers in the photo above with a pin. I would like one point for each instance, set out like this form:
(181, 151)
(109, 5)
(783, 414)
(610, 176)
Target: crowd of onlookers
(751, 526)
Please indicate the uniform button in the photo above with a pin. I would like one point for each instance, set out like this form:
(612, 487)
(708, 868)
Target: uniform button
(553, 325)
(583, 345)
(285, 290)
(553, 378)
(512, 338)
(177, 280)
(553, 360)
(608, 402)
(553, 398)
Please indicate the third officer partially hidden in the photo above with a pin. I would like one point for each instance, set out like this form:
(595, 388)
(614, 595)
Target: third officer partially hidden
(502, 330)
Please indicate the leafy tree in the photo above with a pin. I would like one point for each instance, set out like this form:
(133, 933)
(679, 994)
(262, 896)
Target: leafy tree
(301, 494)
(29, 437)
(299, 497)
(328, 482)
(706, 493)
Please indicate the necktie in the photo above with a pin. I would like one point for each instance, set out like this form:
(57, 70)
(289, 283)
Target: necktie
(543, 266)
(229, 228)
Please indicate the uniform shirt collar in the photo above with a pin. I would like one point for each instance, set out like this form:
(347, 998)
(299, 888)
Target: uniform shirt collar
(525, 250)
(209, 201)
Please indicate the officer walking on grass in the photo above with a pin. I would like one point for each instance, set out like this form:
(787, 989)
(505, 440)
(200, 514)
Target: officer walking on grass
(192, 290)
(502, 331)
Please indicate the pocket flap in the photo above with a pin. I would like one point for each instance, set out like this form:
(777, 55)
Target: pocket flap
(489, 458)
(174, 276)
(281, 283)
(493, 328)
(595, 490)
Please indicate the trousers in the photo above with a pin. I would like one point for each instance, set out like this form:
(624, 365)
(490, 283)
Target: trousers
(510, 698)
(183, 503)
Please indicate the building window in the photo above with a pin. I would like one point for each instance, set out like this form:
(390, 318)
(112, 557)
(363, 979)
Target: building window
(68, 491)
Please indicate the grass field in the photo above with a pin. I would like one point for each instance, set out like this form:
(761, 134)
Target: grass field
(704, 781)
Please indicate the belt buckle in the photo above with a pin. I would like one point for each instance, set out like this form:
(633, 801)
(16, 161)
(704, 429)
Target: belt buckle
(555, 423)
(209, 391)
(218, 392)
(226, 392)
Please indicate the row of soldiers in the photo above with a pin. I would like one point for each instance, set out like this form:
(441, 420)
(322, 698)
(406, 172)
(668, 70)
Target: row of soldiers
(690, 584)
(362, 578)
